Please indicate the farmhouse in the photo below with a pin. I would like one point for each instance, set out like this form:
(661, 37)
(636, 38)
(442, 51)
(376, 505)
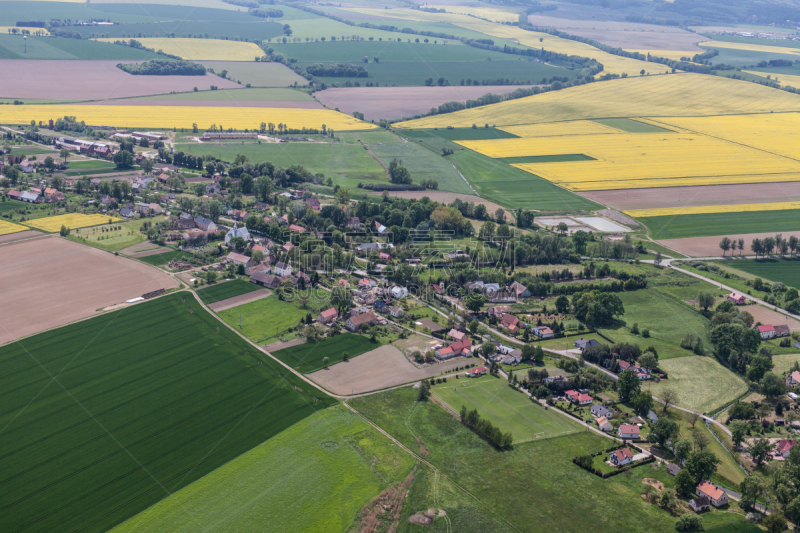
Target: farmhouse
(30, 197)
(239, 214)
(621, 457)
(185, 221)
(514, 357)
(265, 280)
(783, 447)
(583, 344)
(766, 331)
(497, 311)
(502, 296)
(578, 397)
(397, 311)
(398, 292)
(457, 335)
(628, 431)
(717, 496)
(476, 372)
(240, 259)
(700, 504)
(793, 379)
(355, 322)
(14, 195)
(205, 224)
(511, 323)
(455, 349)
(782, 331)
(328, 316)
(604, 425)
(354, 223)
(520, 290)
(543, 332)
(283, 269)
(380, 229)
(296, 229)
(53, 195)
(736, 298)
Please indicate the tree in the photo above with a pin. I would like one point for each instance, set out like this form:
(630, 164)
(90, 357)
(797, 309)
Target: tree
(628, 384)
(597, 308)
(64, 153)
(325, 361)
(473, 327)
(424, 391)
(688, 522)
(772, 385)
(398, 173)
(725, 245)
(474, 301)
(211, 277)
(701, 440)
(701, 465)
(64, 230)
(657, 261)
(49, 163)
(562, 304)
(682, 450)
(774, 522)
(123, 159)
(705, 300)
(648, 360)
(684, 483)
(793, 510)
(760, 450)
(642, 402)
(488, 348)
(669, 396)
(738, 432)
(345, 356)
(663, 430)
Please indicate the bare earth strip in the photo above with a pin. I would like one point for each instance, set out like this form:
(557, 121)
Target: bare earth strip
(446, 197)
(401, 102)
(143, 247)
(92, 80)
(709, 246)
(768, 316)
(239, 300)
(21, 235)
(154, 251)
(88, 279)
(702, 195)
(213, 103)
(378, 369)
(280, 345)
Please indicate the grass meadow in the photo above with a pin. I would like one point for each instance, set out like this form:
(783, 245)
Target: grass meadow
(313, 476)
(709, 224)
(113, 237)
(308, 357)
(702, 384)
(13, 47)
(164, 258)
(423, 164)
(236, 95)
(785, 270)
(354, 51)
(148, 400)
(508, 409)
(630, 125)
(784, 363)
(264, 319)
(228, 289)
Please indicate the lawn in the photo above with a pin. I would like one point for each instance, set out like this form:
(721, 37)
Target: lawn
(533, 486)
(307, 358)
(263, 319)
(785, 270)
(112, 237)
(228, 289)
(166, 257)
(71, 221)
(148, 400)
(313, 476)
(702, 384)
(89, 164)
(506, 408)
(709, 224)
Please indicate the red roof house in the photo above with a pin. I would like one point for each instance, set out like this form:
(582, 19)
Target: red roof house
(717, 496)
(327, 316)
(476, 372)
(628, 431)
(621, 457)
(736, 298)
(767, 331)
(783, 447)
(296, 229)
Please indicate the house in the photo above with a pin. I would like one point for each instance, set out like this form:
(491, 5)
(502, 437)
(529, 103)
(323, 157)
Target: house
(399, 292)
(380, 306)
(497, 311)
(783, 447)
(476, 372)
(599, 409)
(621, 457)
(265, 280)
(368, 247)
(314, 203)
(502, 296)
(359, 310)
(582, 344)
(283, 269)
(163, 177)
(240, 259)
(514, 357)
(455, 349)
(156, 209)
(628, 431)
(673, 469)
(543, 332)
(110, 201)
(287, 247)
(237, 232)
(296, 229)
(652, 416)
(782, 331)
(142, 208)
(397, 311)
(205, 224)
(457, 335)
(328, 316)
(520, 290)
(355, 322)
(383, 256)
(354, 223)
(380, 229)
(793, 379)
(510, 322)
(213, 188)
(366, 283)
(53, 195)
(700, 504)
(185, 221)
(13, 195)
(578, 397)
(604, 425)
(30, 197)
(736, 298)
(717, 496)
(239, 214)
(343, 283)
(28, 167)
(767, 331)
(126, 213)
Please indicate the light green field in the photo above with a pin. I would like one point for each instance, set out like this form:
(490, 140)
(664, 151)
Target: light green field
(13, 47)
(238, 95)
(263, 319)
(316, 28)
(112, 239)
(784, 363)
(354, 51)
(702, 383)
(709, 224)
(505, 408)
(257, 74)
(314, 476)
(785, 270)
(81, 164)
(422, 164)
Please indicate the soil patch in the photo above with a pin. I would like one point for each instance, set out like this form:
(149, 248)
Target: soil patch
(239, 300)
(92, 80)
(702, 195)
(280, 345)
(378, 369)
(709, 246)
(401, 102)
(89, 279)
(446, 197)
(19, 236)
(386, 507)
(142, 247)
(146, 253)
(213, 103)
(421, 519)
(768, 316)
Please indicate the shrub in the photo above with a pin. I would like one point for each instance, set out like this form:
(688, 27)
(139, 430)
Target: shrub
(689, 522)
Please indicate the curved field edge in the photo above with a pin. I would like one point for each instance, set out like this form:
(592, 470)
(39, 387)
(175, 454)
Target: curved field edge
(702, 383)
(314, 476)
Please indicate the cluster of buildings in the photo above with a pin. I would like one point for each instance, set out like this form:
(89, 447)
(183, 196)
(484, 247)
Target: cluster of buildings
(641, 372)
(37, 195)
(82, 146)
(768, 331)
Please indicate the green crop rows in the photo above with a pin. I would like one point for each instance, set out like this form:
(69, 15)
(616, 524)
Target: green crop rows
(308, 357)
(223, 291)
(708, 224)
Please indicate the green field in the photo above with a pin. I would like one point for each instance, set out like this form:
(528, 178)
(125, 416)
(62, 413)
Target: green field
(105, 417)
(12, 47)
(709, 224)
(264, 319)
(114, 239)
(238, 95)
(166, 257)
(228, 289)
(547, 159)
(313, 476)
(507, 409)
(307, 358)
(257, 74)
(785, 270)
(701, 382)
(630, 125)
(479, 133)
(533, 486)
(784, 363)
(250, 29)
(89, 163)
(354, 51)
(422, 164)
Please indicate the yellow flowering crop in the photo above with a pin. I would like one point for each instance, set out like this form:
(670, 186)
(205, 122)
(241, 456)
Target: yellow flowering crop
(201, 49)
(643, 96)
(184, 116)
(777, 133)
(702, 209)
(783, 79)
(558, 129)
(70, 220)
(753, 47)
(34, 31)
(10, 227)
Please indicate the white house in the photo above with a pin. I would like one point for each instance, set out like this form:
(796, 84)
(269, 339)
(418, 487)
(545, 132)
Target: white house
(283, 269)
(397, 311)
(717, 496)
(578, 397)
(604, 424)
(621, 457)
(628, 431)
(767, 331)
(399, 292)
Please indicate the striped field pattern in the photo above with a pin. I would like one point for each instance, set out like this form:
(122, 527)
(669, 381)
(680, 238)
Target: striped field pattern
(704, 209)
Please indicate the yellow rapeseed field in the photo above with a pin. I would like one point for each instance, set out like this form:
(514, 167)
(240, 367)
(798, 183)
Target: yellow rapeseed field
(184, 116)
(753, 47)
(495, 15)
(70, 220)
(783, 79)
(9, 227)
(777, 133)
(642, 96)
(201, 49)
(703, 209)
(558, 129)
(612, 64)
(4, 30)
(640, 160)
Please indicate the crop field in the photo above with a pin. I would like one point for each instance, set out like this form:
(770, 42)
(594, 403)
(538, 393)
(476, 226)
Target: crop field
(752, 47)
(641, 96)
(423, 164)
(702, 383)
(228, 289)
(185, 116)
(164, 258)
(13, 47)
(783, 79)
(639, 125)
(682, 226)
(307, 358)
(201, 49)
(702, 209)
(385, 51)
(508, 409)
(492, 14)
(709, 246)
(71, 220)
(314, 476)
(265, 95)
(263, 319)
(258, 74)
(785, 270)
(10, 227)
(122, 432)
(559, 129)
(253, 29)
